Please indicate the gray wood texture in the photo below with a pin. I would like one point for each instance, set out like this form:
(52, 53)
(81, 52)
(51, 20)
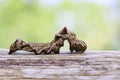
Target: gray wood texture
(92, 65)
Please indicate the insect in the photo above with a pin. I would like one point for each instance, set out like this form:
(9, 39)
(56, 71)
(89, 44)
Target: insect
(52, 46)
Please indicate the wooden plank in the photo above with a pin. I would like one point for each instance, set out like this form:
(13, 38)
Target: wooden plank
(93, 65)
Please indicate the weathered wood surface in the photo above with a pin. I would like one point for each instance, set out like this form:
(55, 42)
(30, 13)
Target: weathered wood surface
(93, 65)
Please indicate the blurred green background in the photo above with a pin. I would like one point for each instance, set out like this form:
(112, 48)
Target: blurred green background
(97, 22)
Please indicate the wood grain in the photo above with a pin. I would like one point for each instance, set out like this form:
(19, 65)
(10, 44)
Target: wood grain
(93, 65)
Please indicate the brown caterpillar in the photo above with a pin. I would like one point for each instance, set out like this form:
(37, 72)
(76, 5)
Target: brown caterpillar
(53, 46)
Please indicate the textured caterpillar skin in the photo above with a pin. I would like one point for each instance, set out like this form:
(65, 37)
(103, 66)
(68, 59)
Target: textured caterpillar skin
(65, 33)
(56, 46)
(76, 45)
(20, 45)
(37, 48)
(30, 47)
